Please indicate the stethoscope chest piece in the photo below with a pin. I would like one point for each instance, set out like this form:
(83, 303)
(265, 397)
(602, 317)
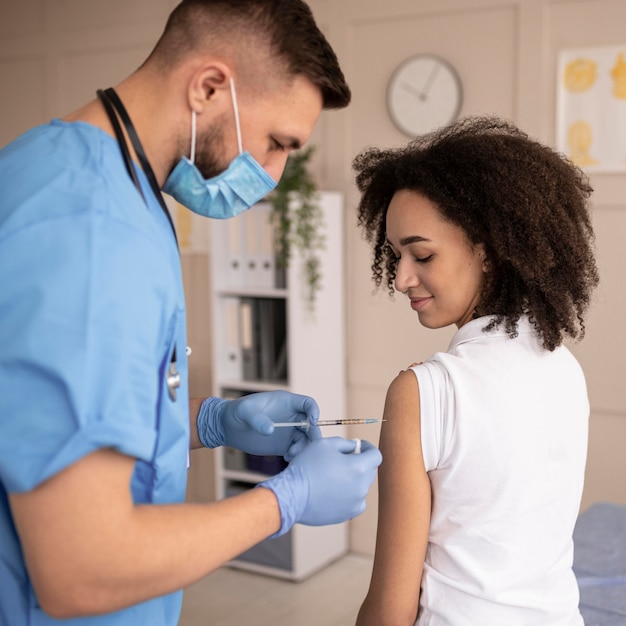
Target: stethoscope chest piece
(173, 380)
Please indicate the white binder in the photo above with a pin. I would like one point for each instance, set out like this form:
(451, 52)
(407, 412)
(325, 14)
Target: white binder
(230, 348)
(260, 265)
(235, 262)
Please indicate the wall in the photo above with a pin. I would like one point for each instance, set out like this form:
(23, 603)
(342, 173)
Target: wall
(55, 53)
(505, 52)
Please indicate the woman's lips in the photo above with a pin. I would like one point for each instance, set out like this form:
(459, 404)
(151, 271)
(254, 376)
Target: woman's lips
(417, 304)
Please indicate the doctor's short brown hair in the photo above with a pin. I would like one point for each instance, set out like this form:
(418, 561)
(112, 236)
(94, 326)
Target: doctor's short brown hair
(282, 31)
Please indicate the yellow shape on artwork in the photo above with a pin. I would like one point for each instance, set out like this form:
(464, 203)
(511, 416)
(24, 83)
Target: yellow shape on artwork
(579, 140)
(618, 74)
(580, 75)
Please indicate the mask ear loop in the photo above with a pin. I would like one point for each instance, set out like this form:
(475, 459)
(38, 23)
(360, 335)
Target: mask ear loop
(192, 156)
(236, 110)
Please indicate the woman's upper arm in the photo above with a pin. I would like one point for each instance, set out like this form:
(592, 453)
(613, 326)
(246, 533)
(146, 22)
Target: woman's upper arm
(403, 510)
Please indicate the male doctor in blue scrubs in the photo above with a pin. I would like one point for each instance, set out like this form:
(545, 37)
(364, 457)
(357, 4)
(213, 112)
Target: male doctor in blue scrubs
(95, 419)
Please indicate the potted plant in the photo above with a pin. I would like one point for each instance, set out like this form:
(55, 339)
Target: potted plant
(298, 221)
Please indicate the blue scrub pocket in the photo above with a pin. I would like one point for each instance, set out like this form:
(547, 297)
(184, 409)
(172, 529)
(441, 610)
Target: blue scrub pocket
(172, 446)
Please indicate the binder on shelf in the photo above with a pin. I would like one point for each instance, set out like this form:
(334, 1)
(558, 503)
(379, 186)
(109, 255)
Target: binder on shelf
(280, 372)
(263, 333)
(265, 246)
(249, 339)
(231, 347)
(266, 337)
(269, 465)
(259, 246)
(235, 270)
(249, 258)
(272, 339)
(251, 244)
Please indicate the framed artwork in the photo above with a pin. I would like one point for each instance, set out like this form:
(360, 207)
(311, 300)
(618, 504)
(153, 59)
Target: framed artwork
(591, 107)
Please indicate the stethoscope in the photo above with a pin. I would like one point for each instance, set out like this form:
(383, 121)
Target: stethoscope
(113, 104)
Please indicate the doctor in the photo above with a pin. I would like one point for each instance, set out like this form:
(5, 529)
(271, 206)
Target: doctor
(95, 418)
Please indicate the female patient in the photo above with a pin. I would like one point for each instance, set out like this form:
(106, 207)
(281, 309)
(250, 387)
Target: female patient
(484, 445)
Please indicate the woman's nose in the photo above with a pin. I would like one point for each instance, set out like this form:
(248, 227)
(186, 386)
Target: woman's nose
(405, 277)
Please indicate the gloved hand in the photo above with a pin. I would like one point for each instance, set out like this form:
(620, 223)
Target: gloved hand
(325, 483)
(246, 423)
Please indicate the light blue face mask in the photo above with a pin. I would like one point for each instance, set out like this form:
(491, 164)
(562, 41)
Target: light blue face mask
(241, 185)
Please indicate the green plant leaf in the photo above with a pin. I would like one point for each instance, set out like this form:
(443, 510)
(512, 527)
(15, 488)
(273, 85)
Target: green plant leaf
(298, 220)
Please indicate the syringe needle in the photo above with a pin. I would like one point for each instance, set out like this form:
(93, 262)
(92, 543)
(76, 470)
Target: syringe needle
(339, 422)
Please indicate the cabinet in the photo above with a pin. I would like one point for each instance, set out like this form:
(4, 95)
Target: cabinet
(265, 337)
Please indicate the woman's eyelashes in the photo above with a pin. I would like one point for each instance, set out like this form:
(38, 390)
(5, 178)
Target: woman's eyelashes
(423, 259)
(394, 252)
(416, 258)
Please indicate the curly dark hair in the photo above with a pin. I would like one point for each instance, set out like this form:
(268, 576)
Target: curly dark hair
(525, 202)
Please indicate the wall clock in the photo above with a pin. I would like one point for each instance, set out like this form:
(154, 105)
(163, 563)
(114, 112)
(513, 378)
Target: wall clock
(423, 93)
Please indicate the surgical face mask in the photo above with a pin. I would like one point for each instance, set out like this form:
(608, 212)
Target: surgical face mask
(241, 185)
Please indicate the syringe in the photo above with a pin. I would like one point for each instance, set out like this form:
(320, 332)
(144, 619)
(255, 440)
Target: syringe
(346, 422)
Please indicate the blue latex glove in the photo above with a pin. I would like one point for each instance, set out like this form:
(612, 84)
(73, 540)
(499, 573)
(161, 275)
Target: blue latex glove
(325, 483)
(247, 423)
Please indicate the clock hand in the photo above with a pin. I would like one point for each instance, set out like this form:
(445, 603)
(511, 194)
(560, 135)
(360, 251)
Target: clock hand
(423, 95)
(429, 82)
(408, 87)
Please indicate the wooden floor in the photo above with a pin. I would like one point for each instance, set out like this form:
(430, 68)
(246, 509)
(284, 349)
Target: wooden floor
(231, 597)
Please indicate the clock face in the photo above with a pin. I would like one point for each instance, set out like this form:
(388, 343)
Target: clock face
(424, 93)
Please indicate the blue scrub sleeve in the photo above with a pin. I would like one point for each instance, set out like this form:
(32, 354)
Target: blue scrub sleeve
(81, 342)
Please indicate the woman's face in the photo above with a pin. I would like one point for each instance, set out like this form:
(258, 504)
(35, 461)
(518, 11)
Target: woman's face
(437, 267)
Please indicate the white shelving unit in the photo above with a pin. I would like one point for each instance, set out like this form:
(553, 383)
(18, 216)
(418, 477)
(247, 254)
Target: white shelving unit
(296, 349)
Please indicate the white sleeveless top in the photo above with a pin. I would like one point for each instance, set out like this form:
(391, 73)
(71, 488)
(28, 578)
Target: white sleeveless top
(504, 438)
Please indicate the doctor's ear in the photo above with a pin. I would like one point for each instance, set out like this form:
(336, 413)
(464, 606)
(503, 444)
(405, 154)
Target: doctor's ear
(207, 84)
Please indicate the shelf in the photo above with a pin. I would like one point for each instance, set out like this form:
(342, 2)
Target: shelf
(253, 334)
(301, 552)
(244, 476)
(251, 292)
(253, 385)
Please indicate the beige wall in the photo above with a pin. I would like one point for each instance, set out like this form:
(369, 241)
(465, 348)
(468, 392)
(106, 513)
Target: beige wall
(55, 53)
(505, 53)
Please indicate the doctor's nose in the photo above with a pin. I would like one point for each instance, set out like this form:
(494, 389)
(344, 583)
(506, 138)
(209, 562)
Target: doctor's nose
(275, 165)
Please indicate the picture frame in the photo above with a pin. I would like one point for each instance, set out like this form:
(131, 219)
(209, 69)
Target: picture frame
(591, 107)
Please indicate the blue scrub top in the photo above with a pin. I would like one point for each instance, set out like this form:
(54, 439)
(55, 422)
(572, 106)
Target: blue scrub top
(91, 308)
